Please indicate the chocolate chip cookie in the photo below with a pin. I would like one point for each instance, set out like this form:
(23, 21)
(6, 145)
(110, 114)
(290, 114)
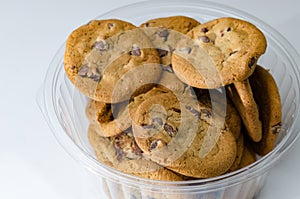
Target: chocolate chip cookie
(179, 23)
(108, 60)
(267, 96)
(242, 97)
(248, 157)
(137, 100)
(220, 52)
(239, 153)
(108, 119)
(164, 34)
(184, 136)
(122, 153)
(218, 100)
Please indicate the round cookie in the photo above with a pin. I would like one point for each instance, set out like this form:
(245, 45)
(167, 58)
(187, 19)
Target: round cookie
(108, 119)
(267, 96)
(184, 136)
(188, 92)
(220, 52)
(240, 150)
(217, 99)
(233, 119)
(137, 100)
(108, 60)
(248, 157)
(122, 153)
(164, 34)
(241, 95)
(179, 23)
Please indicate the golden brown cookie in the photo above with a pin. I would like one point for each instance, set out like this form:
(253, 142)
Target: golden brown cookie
(179, 23)
(233, 119)
(239, 153)
(137, 100)
(248, 157)
(219, 52)
(108, 119)
(164, 33)
(108, 60)
(184, 136)
(122, 153)
(241, 95)
(267, 97)
(217, 99)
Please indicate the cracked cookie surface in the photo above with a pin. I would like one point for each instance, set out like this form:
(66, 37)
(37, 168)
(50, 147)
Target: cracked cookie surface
(222, 51)
(122, 153)
(108, 60)
(164, 34)
(185, 136)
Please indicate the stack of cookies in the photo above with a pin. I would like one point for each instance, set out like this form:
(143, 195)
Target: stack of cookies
(174, 99)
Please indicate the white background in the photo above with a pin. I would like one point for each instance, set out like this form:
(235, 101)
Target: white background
(32, 163)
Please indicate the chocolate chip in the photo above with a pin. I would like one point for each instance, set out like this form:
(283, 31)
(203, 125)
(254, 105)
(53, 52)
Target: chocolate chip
(119, 144)
(150, 126)
(222, 33)
(164, 33)
(101, 45)
(176, 110)
(206, 112)
(233, 52)
(188, 107)
(136, 51)
(95, 77)
(83, 71)
(252, 62)
(204, 39)
(162, 52)
(186, 50)
(204, 30)
(158, 120)
(155, 144)
(118, 141)
(276, 128)
(136, 149)
(193, 111)
(147, 24)
(168, 68)
(125, 145)
(170, 130)
(73, 67)
(120, 154)
(171, 48)
(111, 25)
(228, 29)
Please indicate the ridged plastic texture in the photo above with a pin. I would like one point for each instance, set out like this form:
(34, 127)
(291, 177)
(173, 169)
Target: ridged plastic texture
(63, 108)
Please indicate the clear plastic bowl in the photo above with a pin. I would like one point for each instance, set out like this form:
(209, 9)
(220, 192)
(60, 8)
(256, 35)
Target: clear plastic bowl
(63, 108)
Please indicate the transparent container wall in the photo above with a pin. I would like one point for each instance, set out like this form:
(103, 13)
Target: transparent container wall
(64, 109)
(71, 112)
(97, 187)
